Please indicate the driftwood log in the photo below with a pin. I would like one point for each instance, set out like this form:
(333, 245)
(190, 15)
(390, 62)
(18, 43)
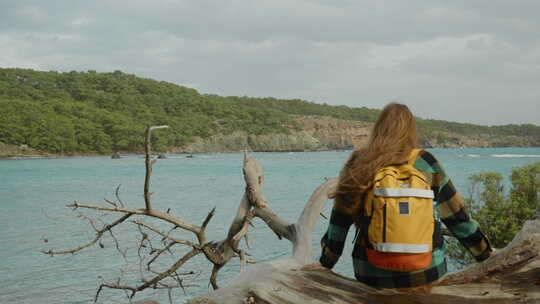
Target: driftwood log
(512, 275)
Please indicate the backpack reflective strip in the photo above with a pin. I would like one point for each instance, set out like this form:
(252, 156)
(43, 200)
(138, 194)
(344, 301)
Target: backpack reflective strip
(403, 192)
(400, 247)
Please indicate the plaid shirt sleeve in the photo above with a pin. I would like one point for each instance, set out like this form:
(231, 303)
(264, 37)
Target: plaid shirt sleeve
(452, 211)
(333, 240)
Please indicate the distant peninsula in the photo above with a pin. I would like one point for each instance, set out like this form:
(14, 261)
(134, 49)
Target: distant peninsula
(52, 113)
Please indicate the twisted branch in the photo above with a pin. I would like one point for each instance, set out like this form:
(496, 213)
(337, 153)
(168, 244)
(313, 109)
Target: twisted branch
(99, 234)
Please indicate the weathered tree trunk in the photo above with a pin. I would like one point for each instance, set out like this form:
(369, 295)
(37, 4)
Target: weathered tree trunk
(512, 275)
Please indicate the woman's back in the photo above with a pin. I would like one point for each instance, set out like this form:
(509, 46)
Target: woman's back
(355, 182)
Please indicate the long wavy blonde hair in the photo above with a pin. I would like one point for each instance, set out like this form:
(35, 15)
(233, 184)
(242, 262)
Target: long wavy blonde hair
(391, 141)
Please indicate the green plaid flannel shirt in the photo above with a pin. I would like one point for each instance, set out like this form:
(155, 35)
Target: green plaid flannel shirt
(450, 207)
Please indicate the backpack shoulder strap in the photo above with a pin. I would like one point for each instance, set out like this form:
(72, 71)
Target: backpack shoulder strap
(412, 157)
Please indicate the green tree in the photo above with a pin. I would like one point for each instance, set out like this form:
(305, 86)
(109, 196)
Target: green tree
(500, 214)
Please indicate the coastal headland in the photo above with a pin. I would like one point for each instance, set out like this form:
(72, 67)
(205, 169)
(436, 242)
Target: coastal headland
(51, 114)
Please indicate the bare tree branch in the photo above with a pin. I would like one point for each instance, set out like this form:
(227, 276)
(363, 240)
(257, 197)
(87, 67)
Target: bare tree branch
(238, 221)
(208, 218)
(117, 245)
(110, 202)
(153, 213)
(153, 283)
(254, 178)
(213, 276)
(159, 252)
(148, 164)
(99, 234)
(302, 248)
(117, 194)
(212, 250)
(171, 270)
(164, 235)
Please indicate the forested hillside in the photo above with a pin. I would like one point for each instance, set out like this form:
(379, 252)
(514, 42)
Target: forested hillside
(104, 112)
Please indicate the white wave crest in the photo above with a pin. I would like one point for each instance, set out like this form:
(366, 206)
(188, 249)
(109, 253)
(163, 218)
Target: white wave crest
(515, 155)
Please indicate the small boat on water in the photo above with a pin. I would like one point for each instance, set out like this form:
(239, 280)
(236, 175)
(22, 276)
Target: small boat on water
(116, 156)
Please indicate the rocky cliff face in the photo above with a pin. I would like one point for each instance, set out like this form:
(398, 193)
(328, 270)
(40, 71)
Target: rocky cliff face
(319, 133)
(12, 151)
(316, 134)
(453, 140)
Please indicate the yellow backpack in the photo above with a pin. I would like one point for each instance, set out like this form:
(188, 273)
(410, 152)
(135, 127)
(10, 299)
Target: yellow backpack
(401, 226)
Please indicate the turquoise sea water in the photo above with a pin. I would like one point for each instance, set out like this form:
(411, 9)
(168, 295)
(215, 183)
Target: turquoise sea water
(33, 194)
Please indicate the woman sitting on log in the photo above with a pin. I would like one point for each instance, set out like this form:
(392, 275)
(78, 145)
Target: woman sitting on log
(390, 189)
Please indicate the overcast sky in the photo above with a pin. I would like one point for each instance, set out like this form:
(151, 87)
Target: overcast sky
(472, 61)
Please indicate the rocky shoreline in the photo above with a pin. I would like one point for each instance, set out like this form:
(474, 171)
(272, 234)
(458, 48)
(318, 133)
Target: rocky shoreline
(190, 152)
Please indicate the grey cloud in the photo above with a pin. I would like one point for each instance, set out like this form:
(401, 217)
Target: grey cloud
(384, 22)
(431, 54)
